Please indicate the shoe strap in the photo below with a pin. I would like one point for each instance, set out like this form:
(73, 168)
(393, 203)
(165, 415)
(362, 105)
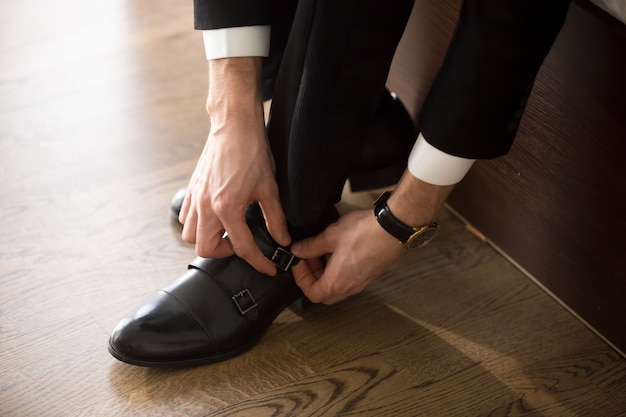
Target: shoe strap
(243, 298)
(279, 255)
(282, 258)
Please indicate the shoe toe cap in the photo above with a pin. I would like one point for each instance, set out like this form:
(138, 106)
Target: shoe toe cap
(159, 330)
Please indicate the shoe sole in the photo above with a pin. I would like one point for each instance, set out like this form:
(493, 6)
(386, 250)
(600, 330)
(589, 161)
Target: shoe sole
(181, 363)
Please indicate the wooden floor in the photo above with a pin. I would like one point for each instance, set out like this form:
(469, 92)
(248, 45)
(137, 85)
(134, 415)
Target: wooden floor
(101, 120)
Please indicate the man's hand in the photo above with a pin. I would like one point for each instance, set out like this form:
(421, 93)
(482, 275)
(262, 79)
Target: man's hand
(235, 169)
(358, 250)
(355, 250)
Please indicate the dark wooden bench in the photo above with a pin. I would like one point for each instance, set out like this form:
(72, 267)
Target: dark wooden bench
(556, 204)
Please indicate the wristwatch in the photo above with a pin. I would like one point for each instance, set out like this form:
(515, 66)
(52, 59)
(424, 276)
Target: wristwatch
(410, 237)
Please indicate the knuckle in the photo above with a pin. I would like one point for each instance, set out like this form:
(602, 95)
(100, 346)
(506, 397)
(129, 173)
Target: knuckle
(326, 294)
(238, 247)
(188, 237)
(315, 298)
(241, 251)
(248, 253)
(326, 239)
(339, 290)
(218, 205)
(206, 247)
(203, 250)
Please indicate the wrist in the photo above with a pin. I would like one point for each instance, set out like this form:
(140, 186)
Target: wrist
(417, 203)
(235, 89)
(411, 237)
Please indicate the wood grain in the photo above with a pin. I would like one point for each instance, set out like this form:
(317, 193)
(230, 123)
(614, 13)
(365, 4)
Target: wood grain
(101, 120)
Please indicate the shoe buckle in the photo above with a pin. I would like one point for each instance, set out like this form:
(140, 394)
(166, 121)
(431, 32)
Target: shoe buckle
(283, 259)
(244, 301)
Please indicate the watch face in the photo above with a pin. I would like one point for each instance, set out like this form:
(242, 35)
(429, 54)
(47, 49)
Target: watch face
(421, 238)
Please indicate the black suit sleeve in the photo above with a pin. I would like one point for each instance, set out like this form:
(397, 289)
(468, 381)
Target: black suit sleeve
(475, 104)
(217, 14)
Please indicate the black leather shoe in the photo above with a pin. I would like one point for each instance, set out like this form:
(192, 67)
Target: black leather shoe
(383, 157)
(217, 310)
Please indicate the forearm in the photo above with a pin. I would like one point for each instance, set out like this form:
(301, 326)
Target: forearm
(235, 169)
(235, 94)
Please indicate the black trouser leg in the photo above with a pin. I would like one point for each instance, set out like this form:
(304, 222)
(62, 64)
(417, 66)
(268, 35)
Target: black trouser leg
(330, 80)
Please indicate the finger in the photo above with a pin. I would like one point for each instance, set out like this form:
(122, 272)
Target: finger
(307, 275)
(184, 208)
(327, 288)
(243, 244)
(314, 287)
(320, 292)
(275, 220)
(313, 247)
(190, 223)
(209, 241)
(223, 249)
(308, 268)
(306, 272)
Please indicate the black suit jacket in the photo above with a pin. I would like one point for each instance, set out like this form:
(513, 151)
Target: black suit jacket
(475, 104)
(217, 14)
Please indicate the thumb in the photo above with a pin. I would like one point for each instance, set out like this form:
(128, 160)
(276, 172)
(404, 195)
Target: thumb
(312, 247)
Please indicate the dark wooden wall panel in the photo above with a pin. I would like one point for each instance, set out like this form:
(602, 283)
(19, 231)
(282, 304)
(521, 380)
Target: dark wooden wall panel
(557, 203)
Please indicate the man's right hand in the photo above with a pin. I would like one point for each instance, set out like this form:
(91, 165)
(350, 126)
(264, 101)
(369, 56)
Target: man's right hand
(235, 169)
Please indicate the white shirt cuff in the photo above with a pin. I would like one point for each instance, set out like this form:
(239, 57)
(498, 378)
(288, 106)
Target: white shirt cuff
(237, 41)
(433, 166)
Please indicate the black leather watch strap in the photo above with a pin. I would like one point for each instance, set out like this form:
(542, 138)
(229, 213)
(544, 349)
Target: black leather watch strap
(389, 222)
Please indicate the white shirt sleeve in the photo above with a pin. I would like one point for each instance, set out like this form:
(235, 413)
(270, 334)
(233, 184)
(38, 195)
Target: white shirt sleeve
(436, 167)
(237, 41)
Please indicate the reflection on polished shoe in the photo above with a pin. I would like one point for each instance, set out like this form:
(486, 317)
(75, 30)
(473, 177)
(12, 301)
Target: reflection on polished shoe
(381, 160)
(218, 309)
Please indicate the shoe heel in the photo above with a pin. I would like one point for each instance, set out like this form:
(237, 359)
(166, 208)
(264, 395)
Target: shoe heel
(300, 304)
(379, 178)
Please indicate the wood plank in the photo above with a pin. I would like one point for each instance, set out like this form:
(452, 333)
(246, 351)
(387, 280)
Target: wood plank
(367, 387)
(93, 144)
